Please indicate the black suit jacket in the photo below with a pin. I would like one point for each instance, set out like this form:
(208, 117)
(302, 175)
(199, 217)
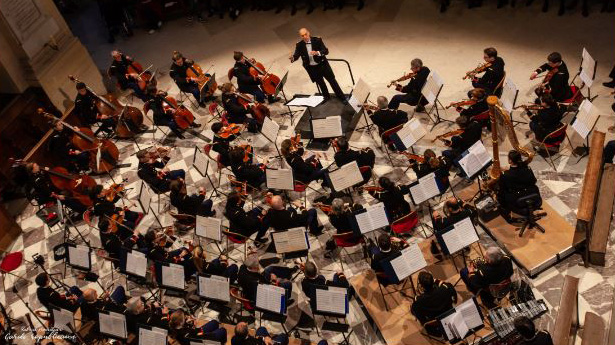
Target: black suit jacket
(415, 85)
(560, 89)
(302, 52)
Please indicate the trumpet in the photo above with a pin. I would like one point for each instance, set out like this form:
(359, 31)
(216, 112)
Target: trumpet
(402, 78)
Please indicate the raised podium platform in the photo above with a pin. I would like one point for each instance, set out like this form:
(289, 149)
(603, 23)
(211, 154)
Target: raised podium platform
(332, 107)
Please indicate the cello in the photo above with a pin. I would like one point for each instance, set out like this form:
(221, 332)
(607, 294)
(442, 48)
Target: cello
(258, 110)
(145, 78)
(195, 72)
(129, 118)
(85, 140)
(269, 81)
(182, 116)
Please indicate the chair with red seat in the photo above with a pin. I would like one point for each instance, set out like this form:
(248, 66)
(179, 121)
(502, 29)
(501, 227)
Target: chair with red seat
(483, 118)
(10, 263)
(405, 224)
(552, 142)
(146, 109)
(346, 240)
(386, 140)
(207, 150)
(368, 173)
(244, 304)
(216, 113)
(235, 238)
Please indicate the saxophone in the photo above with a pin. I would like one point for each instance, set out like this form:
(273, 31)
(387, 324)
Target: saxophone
(499, 116)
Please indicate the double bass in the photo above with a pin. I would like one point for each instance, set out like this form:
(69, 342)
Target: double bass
(129, 118)
(269, 81)
(182, 116)
(196, 73)
(85, 140)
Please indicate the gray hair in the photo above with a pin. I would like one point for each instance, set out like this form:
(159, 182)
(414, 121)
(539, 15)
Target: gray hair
(252, 262)
(135, 305)
(493, 254)
(337, 205)
(115, 52)
(416, 63)
(382, 102)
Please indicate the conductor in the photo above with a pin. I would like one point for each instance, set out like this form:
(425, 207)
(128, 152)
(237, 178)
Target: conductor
(313, 53)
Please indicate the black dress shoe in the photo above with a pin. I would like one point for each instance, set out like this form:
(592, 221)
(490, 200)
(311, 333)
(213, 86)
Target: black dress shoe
(609, 83)
(195, 125)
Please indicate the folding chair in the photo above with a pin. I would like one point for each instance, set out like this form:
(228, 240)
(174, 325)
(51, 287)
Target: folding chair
(484, 119)
(498, 89)
(10, 263)
(216, 113)
(244, 304)
(434, 325)
(183, 95)
(146, 108)
(346, 240)
(405, 224)
(237, 239)
(207, 150)
(552, 141)
(386, 140)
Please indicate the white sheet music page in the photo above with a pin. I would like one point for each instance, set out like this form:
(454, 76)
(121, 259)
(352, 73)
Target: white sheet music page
(280, 179)
(346, 176)
(155, 336)
(200, 162)
(311, 101)
(411, 260)
(270, 129)
(586, 118)
(509, 92)
(215, 287)
(329, 127)
(291, 240)
(113, 324)
(61, 317)
(462, 235)
(173, 276)
(208, 227)
(331, 301)
(476, 159)
(460, 326)
(588, 66)
(136, 263)
(79, 256)
(470, 313)
(377, 215)
(411, 132)
(269, 297)
(432, 86)
(425, 189)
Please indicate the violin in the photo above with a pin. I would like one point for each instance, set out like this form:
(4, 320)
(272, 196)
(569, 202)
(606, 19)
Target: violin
(269, 81)
(230, 129)
(370, 107)
(463, 103)
(129, 118)
(258, 110)
(115, 221)
(181, 115)
(371, 188)
(481, 68)
(156, 152)
(414, 157)
(195, 72)
(113, 191)
(85, 140)
(323, 207)
(530, 107)
(247, 150)
(295, 143)
(544, 86)
(402, 78)
(448, 134)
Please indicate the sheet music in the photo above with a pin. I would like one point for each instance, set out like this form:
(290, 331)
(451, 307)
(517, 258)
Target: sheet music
(462, 235)
(269, 297)
(208, 227)
(470, 313)
(359, 95)
(346, 176)
(509, 92)
(280, 179)
(374, 218)
(331, 301)
(425, 189)
(432, 86)
(310, 101)
(588, 66)
(173, 276)
(270, 129)
(61, 317)
(136, 263)
(113, 324)
(586, 118)
(214, 287)
(476, 159)
(291, 240)
(411, 260)
(200, 162)
(145, 197)
(411, 132)
(155, 336)
(329, 127)
(79, 256)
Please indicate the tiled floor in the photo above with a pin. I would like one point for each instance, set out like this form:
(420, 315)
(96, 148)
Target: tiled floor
(379, 42)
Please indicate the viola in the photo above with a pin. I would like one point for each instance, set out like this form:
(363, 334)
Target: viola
(115, 221)
(113, 191)
(402, 78)
(544, 86)
(129, 118)
(414, 157)
(269, 81)
(258, 110)
(85, 140)
(323, 207)
(181, 115)
(231, 129)
(196, 73)
(247, 149)
(295, 142)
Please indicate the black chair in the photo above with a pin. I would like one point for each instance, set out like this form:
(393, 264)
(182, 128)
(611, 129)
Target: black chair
(528, 205)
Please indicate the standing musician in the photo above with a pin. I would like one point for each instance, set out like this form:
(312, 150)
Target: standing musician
(392, 196)
(556, 80)
(412, 91)
(304, 170)
(515, 183)
(548, 117)
(437, 297)
(493, 69)
(246, 82)
(152, 170)
(245, 222)
(345, 155)
(454, 210)
(385, 118)
(236, 111)
(179, 73)
(246, 171)
(65, 153)
(313, 53)
(119, 69)
(496, 268)
(281, 218)
(472, 132)
(195, 204)
(87, 112)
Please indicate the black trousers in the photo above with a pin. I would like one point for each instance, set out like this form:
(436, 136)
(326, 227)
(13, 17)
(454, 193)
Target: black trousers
(321, 72)
(612, 74)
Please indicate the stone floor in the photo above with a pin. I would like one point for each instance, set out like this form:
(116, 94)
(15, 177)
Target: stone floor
(379, 43)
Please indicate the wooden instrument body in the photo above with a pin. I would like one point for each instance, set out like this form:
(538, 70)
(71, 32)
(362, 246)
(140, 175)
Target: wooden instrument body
(230, 129)
(259, 111)
(123, 113)
(144, 79)
(85, 140)
(196, 72)
(78, 186)
(182, 116)
(269, 82)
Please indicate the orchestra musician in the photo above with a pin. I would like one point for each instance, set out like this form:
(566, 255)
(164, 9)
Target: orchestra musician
(525, 326)
(252, 174)
(546, 119)
(493, 69)
(48, 296)
(244, 222)
(313, 279)
(158, 252)
(44, 192)
(87, 112)
(379, 253)
(106, 209)
(261, 336)
(246, 82)
(281, 218)
(496, 268)
(454, 210)
(515, 183)
(478, 106)
(218, 266)
(345, 155)
(195, 204)
(152, 170)
(223, 137)
(182, 328)
(179, 73)
(385, 118)
(119, 69)
(392, 197)
(250, 276)
(472, 132)
(313, 54)
(437, 297)
(236, 111)
(161, 116)
(557, 78)
(304, 170)
(411, 93)
(432, 163)
(340, 216)
(92, 303)
(140, 312)
(65, 153)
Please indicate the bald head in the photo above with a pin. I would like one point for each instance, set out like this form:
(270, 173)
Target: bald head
(382, 102)
(277, 203)
(90, 295)
(305, 34)
(241, 330)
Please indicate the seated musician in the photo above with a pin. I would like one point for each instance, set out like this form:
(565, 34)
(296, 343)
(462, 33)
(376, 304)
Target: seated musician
(87, 112)
(153, 172)
(218, 266)
(195, 204)
(119, 70)
(340, 217)
(432, 164)
(281, 218)
(558, 84)
(525, 326)
(437, 297)
(385, 118)
(472, 132)
(345, 155)
(160, 254)
(222, 143)
(248, 83)
(479, 96)
(515, 183)
(493, 74)
(179, 73)
(392, 196)
(140, 312)
(65, 153)
(412, 91)
(237, 112)
(261, 337)
(183, 328)
(105, 209)
(547, 119)
(381, 252)
(454, 210)
(44, 192)
(250, 276)
(313, 279)
(304, 170)
(160, 116)
(608, 155)
(92, 303)
(252, 174)
(48, 296)
(496, 269)
(245, 223)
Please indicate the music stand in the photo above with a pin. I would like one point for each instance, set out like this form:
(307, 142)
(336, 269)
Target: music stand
(280, 88)
(359, 96)
(510, 92)
(215, 290)
(292, 243)
(112, 325)
(431, 92)
(209, 228)
(466, 316)
(402, 265)
(271, 303)
(455, 238)
(334, 304)
(369, 219)
(79, 257)
(270, 130)
(150, 335)
(584, 123)
(587, 73)
(145, 201)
